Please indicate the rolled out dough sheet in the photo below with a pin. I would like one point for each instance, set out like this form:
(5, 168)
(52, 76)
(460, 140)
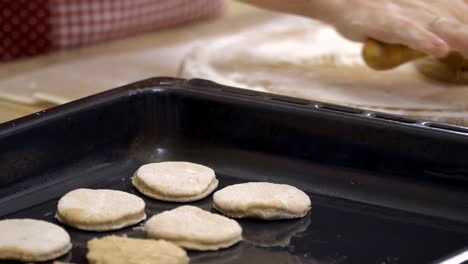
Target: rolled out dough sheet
(303, 58)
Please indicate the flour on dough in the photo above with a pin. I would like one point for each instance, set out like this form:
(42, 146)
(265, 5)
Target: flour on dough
(262, 200)
(175, 181)
(194, 228)
(32, 240)
(100, 210)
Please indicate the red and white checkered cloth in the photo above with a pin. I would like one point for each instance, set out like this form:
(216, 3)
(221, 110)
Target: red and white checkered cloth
(30, 27)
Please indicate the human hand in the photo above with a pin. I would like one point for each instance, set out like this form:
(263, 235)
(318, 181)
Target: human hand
(434, 27)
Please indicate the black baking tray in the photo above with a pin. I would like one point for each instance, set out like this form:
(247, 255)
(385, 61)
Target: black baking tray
(384, 188)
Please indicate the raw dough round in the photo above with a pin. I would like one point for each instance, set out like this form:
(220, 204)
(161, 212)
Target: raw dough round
(175, 181)
(100, 210)
(262, 200)
(194, 228)
(32, 240)
(303, 58)
(123, 250)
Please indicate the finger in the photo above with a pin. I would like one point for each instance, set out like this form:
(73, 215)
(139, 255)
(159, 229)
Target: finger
(352, 29)
(357, 36)
(412, 35)
(454, 33)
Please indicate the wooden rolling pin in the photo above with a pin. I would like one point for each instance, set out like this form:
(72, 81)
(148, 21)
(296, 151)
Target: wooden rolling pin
(382, 56)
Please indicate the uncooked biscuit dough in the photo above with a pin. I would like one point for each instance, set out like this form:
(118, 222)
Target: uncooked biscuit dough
(194, 228)
(175, 181)
(123, 250)
(100, 210)
(303, 58)
(262, 200)
(32, 240)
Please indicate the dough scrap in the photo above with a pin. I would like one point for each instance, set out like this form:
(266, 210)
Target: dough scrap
(123, 250)
(175, 181)
(262, 200)
(32, 240)
(100, 210)
(193, 228)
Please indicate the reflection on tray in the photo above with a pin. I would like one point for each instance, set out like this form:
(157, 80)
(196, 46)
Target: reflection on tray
(250, 254)
(228, 255)
(273, 233)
